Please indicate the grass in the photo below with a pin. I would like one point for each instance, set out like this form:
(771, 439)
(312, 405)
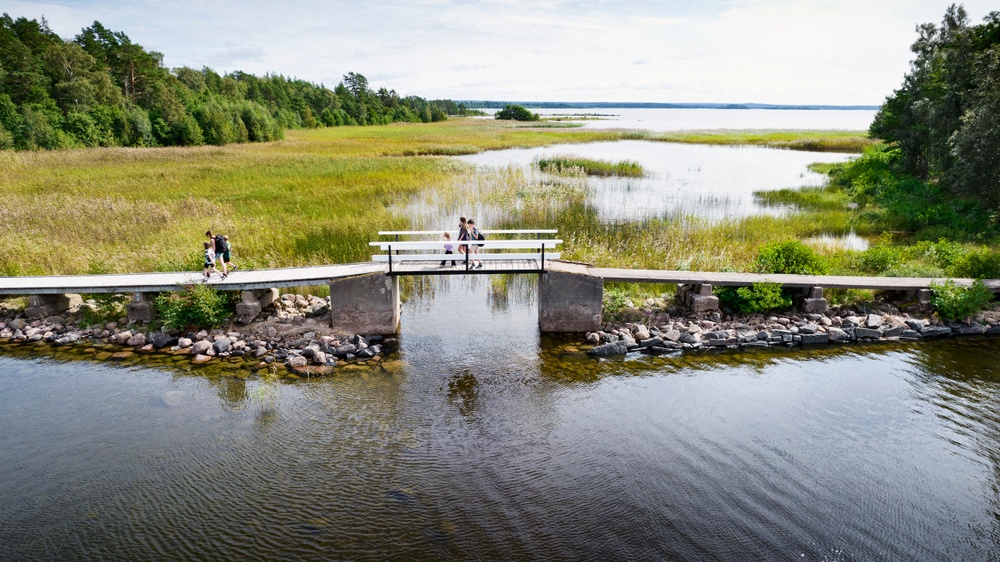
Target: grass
(320, 195)
(818, 141)
(571, 165)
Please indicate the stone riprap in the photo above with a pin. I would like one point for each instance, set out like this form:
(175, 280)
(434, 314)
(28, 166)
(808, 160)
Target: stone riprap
(663, 334)
(290, 335)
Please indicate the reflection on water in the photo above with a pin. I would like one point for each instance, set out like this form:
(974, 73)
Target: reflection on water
(488, 441)
(708, 182)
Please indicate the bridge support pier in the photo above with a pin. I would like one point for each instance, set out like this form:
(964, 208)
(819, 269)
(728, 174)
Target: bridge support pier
(569, 299)
(141, 309)
(43, 306)
(815, 302)
(254, 302)
(365, 304)
(698, 297)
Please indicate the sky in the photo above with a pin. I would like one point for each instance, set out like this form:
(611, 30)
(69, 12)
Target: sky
(840, 52)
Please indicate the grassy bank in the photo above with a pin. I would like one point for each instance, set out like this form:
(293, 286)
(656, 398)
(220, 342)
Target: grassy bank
(320, 195)
(818, 141)
(601, 168)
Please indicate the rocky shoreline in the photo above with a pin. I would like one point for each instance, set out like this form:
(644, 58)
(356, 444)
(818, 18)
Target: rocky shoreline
(664, 333)
(294, 334)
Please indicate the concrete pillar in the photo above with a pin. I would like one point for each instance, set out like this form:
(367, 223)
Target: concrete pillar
(141, 309)
(569, 299)
(815, 302)
(700, 299)
(43, 306)
(365, 304)
(254, 302)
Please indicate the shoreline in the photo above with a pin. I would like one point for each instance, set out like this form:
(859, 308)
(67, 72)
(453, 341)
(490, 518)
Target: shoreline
(292, 336)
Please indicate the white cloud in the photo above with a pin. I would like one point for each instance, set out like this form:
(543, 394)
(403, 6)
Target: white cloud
(770, 51)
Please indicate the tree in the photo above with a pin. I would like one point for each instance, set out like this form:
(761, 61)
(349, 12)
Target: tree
(517, 113)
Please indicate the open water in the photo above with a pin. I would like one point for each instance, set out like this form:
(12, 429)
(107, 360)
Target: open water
(482, 440)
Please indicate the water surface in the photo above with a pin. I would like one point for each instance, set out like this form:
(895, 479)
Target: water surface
(491, 442)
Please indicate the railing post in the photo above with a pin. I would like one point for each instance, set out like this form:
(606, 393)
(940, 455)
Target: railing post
(390, 258)
(467, 247)
(543, 256)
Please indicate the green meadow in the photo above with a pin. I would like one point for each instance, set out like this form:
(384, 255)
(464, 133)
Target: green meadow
(321, 194)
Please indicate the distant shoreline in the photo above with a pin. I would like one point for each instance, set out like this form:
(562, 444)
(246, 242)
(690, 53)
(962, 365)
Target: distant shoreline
(488, 104)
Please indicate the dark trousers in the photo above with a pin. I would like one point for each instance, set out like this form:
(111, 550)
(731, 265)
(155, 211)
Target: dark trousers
(444, 260)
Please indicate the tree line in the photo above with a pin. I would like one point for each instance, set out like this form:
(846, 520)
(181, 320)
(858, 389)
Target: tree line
(941, 160)
(101, 89)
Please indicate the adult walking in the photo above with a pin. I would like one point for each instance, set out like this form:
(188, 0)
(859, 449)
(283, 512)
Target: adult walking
(463, 236)
(219, 247)
(474, 234)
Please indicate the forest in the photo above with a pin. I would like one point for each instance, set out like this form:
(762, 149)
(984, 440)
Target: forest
(101, 89)
(938, 168)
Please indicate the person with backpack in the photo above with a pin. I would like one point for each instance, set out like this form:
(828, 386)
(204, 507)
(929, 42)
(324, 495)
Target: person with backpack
(227, 255)
(475, 234)
(218, 243)
(209, 267)
(463, 236)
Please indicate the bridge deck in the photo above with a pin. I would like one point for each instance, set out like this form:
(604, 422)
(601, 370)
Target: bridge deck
(722, 278)
(158, 282)
(489, 267)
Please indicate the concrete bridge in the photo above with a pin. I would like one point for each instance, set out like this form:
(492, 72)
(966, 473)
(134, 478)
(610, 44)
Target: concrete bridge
(364, 297)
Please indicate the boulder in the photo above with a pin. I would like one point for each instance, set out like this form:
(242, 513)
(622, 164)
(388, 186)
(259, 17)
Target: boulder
(222, 345)
(137, 340)
(609, 349)
(160, 340)
(184, 343)
(867, 333)
(200, 359)
(201, 347)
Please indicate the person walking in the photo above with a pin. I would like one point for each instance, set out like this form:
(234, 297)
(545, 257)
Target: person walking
(474, 234)
(227, 256)
(463, 236)
(209, 267)
(448, 247)
(219, 247)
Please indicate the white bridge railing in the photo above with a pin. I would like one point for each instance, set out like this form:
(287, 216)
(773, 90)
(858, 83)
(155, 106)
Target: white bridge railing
(538, 249)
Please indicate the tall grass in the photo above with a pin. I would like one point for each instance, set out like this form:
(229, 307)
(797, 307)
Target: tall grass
(571, 165)
(818, 141)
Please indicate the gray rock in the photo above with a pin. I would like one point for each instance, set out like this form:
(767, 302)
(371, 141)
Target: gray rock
(651, 342)
(608, 349)
(690, 339)
(894, 332)
(935, 331)
(672, 335)
(184, 343)
(160, 340)
(297, 361)
(640, 332)
(260, 352)
(201, 347)
(137, 340)
(910, 334)
(972, 330)
(222, 345)
(915, 324)
(593, 337)
(873, 321)
(809, 329)
(319, 358)
(68, 339)
(758, 343)
(836, 334)
(867, 333)
(813, 339)
(763, 335)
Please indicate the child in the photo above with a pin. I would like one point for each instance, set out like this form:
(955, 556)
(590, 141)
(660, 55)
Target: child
(209, 261)
(448, 247)
(226, 257)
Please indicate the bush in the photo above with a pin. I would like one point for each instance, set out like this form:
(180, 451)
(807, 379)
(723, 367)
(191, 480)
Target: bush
(979, 263)
(199, 307)
(517, 113)
(790, 256)
(760, 297)
(881, 257)
(956, 303)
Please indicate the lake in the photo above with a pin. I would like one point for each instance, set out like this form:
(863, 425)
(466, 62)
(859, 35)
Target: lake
(682, 119)
(488, 441)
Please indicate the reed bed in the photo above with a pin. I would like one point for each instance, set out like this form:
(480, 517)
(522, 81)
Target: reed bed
(575, 165)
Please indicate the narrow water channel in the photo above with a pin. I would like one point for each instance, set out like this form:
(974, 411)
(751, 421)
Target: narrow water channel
(487, 441)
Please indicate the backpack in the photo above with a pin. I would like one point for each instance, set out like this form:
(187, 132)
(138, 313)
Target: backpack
(480, 236)
(220, 244)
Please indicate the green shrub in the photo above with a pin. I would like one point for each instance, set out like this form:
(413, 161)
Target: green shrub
(789, 256)
(882, 256)
(978, 263)
(198, 307)
(517, 113)
(956, 303)
(760, 297)
(941, 253)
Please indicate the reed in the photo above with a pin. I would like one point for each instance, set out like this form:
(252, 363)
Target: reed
(817, 141)
(572, 165)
